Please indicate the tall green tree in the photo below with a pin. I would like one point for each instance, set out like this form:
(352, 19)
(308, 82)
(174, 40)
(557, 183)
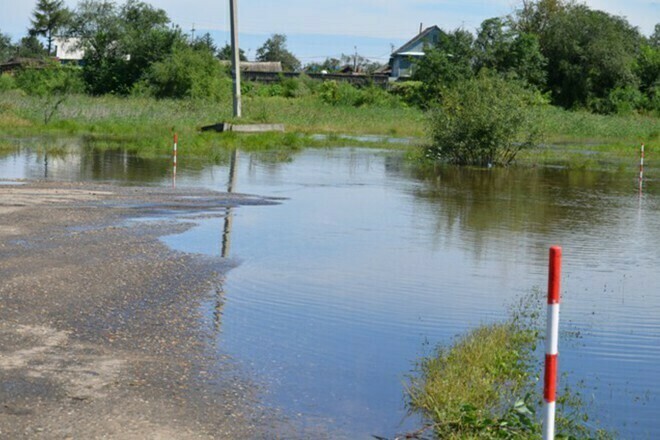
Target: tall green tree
(121, 42)
(7, 49)
(654, 39)
(49, 17)
(274, 49)
(224, 53)
(501, 48)
(30, 47)
(589, 54)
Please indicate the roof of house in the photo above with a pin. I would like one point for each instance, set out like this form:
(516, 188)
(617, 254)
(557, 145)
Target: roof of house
(406, 49)
(19, 62)
(258, 66)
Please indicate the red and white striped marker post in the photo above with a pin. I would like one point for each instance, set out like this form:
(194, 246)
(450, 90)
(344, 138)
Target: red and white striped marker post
(551, 345)
(641, 169)
(176, 141)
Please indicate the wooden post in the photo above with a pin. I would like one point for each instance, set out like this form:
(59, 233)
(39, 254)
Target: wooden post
(235, 57)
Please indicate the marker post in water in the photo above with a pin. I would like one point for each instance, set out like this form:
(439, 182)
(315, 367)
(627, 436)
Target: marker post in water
(176, 141)
(551, 345)
(641, 169)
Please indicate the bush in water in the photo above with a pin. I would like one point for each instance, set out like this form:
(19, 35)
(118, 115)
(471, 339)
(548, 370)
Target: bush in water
(483, 121)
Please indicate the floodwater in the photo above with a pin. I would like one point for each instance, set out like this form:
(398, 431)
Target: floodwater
(367, 264)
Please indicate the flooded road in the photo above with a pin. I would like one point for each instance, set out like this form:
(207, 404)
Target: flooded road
(367, 264)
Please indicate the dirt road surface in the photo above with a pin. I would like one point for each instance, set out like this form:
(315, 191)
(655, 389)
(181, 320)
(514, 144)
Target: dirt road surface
(100, 326)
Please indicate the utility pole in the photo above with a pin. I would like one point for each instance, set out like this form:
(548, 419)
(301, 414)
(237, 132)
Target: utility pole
(235, 60)
(355, 60)
(192, 33)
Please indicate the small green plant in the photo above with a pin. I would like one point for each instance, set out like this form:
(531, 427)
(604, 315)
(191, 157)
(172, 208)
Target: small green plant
(471, 389)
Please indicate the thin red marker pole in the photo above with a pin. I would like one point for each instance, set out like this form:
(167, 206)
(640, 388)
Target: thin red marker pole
(641, 169)
(176, 141)
(551, 345)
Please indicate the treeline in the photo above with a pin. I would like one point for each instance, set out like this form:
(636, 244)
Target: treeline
(578, 57)
(129, 49)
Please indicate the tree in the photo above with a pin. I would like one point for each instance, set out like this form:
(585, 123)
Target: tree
(501, 48)
(225, 53)
(274, 49)
(449, 61)
(535, 16)
(7, 49)
(330, 65)
(205, 42)
(30, 47)
(589, 54)
(654, 40)
(121, 43)
(189, 73)
(49, 17)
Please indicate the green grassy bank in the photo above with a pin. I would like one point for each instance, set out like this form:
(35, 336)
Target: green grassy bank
(145, 125)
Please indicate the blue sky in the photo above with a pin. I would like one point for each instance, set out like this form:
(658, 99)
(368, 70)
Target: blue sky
(317, 30)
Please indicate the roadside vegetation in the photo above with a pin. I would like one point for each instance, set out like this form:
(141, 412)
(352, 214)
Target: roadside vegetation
(484, 385)
(142, 78)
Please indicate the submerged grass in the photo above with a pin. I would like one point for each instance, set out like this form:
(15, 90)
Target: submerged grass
(484, 385)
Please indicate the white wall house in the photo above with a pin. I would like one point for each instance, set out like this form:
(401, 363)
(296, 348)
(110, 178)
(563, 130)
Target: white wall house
(68, 50)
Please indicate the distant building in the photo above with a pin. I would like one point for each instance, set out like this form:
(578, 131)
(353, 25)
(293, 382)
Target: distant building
(16, 64)
(68, 50)
(258, 66)
(402, 60)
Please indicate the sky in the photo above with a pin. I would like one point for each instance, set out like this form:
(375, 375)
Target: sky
(317, 29)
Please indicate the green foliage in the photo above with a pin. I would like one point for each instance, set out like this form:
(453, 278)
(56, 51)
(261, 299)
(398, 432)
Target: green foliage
(343, 94)
(30, 47)
(469, 390)
(7, 82)
(483, 121)
(6, 48)
(225, 53)
(500, 48)
(647, 69)
(188, 73)
(589, 54)
(410, 92)
(121, 43)
(53, 85)
(623, 100)
(274, 49)
(49, 17)
(52, 80)
(449, 62)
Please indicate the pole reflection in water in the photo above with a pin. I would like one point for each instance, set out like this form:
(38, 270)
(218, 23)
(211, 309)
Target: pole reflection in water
(229, 216)
(226, 234)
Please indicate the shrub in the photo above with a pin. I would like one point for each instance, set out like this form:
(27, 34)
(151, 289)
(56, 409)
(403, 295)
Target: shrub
(410, 92)
(53, 84)
(189, 73)
(483, 121)
(51, 80)
(7, 82)
(622, 100)
(338, 93)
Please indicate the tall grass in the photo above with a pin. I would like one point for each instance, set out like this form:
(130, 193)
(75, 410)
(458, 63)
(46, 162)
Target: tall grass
(484, 385)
